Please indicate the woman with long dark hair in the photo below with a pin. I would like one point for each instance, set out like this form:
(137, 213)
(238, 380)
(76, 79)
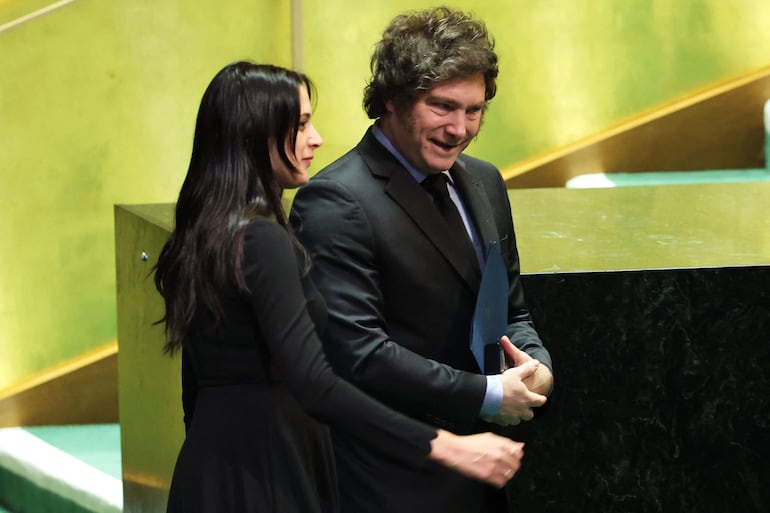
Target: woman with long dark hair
(257, 389)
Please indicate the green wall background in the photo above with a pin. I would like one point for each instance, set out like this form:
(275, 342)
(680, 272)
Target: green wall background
(98, 100)
(568, 68)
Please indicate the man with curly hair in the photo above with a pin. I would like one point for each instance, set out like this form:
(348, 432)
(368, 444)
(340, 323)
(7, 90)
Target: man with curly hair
(398, 262)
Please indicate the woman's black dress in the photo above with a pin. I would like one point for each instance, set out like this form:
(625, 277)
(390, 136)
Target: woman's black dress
(247, 385)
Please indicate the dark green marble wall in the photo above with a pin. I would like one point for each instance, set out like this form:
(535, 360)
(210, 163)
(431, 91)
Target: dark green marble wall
(655, 305)
(661, 401)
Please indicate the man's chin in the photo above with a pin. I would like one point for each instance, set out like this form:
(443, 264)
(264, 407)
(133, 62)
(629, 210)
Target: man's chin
(443, 163)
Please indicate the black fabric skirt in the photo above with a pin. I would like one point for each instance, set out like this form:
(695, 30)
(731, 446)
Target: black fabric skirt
(251, 448)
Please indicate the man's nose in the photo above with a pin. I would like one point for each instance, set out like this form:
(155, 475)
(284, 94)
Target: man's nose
(457, 124)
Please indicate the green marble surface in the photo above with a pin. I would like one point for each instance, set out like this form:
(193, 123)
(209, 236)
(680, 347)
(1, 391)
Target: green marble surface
(645, 227)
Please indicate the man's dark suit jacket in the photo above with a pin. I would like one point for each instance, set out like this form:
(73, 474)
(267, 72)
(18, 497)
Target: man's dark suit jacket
(401, 296)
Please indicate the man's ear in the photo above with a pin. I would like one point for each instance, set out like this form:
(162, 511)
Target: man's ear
(390, 106)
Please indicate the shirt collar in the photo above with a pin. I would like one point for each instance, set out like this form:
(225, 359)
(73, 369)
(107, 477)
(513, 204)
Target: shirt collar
(418, 175)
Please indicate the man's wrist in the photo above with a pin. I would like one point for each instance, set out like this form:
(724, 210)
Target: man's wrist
(493, 397)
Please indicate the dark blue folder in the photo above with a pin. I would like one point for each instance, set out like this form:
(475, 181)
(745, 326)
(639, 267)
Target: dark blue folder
(490, 317)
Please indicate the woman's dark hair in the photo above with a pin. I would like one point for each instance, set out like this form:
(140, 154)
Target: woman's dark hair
(420, 48)
(246, 108)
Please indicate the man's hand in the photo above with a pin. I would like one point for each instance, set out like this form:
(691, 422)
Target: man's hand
(541, 381)
(518, 400)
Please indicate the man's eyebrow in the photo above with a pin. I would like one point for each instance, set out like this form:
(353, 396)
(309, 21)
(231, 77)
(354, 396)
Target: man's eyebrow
(442, 99)
(454, 103)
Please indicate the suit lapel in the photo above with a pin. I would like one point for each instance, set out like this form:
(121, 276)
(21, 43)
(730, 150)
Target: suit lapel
(476, 203)
(413, 200)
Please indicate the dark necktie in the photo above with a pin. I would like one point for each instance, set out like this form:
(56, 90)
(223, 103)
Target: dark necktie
(436, 185)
